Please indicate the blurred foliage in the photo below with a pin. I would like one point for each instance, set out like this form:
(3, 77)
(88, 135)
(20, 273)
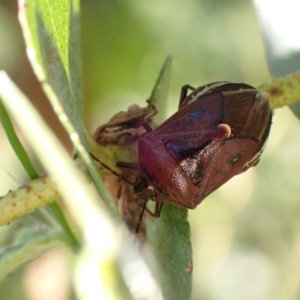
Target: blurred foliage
(245, 236)
(124, 45)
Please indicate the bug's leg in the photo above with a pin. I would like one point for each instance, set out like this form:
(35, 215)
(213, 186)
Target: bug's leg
(184, 93)
(141, 217)
(147, 126)
(156, 214)
(157, 211)
(154, 110)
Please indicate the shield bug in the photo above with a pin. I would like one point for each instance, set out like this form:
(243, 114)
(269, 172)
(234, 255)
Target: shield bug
(218, 132)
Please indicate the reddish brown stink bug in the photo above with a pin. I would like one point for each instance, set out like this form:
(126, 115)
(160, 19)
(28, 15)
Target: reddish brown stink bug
(218, 132)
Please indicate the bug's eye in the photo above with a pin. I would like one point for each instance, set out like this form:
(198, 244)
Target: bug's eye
(233, 158)
(143, 189)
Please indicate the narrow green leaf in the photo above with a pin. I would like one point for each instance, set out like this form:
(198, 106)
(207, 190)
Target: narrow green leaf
(52, 36)
(35, 196)
(75, 188)
(36, 243)
(159, 95)
(15, 142)
(171, 232)
(46, 27)
(79, 196)
(38, 192)
(171, 235)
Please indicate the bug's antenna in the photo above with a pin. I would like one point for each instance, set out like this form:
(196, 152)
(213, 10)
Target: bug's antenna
(109, 169)
(141, 217)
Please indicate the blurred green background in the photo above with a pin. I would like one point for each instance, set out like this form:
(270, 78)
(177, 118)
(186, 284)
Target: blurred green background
(246, 241)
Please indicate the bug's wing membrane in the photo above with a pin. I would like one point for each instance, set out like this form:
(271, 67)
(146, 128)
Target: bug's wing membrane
(238, 106)
(248, 113)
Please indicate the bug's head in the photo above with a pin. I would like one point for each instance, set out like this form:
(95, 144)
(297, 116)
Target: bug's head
(143, 189)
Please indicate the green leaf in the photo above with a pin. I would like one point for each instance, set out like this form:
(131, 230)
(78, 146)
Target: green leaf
(96, 258)
(34, 196)
(171, 231)
(172, 236)
(52, 36)
(52, 30)
(41, 191)
(74, 187)
(15, 142)
(32, 244)
(159, 95)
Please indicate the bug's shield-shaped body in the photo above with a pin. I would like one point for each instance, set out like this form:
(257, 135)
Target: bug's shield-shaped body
(219, 131)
